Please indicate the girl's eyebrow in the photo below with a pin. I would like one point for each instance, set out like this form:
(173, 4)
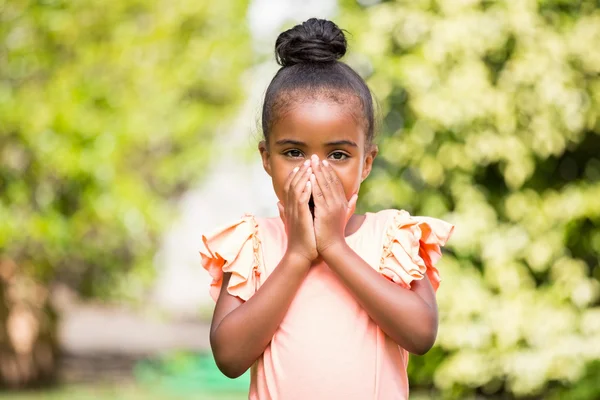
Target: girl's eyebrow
(299, 143)
(290, 141)
(341, 143)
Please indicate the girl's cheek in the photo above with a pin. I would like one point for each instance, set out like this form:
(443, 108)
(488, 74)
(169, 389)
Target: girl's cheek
(278, 185)
(351, 183)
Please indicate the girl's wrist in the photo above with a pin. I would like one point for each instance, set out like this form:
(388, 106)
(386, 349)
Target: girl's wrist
(295, 259)
(337, 247)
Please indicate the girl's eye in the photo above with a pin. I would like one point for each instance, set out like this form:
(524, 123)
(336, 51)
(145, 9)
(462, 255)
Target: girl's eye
(293, 153)
(338, 155)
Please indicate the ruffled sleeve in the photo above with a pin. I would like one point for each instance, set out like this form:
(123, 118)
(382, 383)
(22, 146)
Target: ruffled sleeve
(236, 249)
(412, 247)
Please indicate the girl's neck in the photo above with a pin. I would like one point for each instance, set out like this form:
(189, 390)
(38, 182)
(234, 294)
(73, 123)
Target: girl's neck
(354, 224)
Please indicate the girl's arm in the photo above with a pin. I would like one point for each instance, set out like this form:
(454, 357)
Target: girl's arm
(409, 317)
(240, 331)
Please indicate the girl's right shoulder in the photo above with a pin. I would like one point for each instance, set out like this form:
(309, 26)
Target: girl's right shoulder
(237, 248)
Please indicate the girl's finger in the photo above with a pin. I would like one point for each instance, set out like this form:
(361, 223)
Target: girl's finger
(334, 183)
(288, 181)
(317, 193)
(351, 206)
(300, 186)
(305, 195)
(320, 179)
(299, 174)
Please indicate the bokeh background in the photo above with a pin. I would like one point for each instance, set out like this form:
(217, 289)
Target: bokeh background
(128, 128)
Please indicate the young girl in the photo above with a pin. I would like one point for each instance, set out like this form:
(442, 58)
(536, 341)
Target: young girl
(322, 303)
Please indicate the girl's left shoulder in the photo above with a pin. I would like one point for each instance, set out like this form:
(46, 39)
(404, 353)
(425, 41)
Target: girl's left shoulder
(427, 229)
(411, 245)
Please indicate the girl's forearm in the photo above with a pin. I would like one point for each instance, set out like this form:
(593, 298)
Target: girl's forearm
(243, 334)
(402, 314)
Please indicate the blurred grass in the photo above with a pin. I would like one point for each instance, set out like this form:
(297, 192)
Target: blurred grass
(185, 372)
(119, 392)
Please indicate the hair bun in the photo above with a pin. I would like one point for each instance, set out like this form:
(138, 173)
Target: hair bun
(313, 41)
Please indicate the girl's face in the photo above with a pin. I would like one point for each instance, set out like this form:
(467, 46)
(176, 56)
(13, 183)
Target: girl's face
(324, 128)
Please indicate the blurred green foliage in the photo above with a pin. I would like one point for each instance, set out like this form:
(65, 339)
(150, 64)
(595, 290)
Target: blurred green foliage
(490, 114)
(107, 112)
(188, 373)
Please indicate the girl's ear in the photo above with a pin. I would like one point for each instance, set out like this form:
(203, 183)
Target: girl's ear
(368, 165)
(265, 155)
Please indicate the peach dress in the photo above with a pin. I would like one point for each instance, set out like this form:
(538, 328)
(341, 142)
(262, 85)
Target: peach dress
(327, 347)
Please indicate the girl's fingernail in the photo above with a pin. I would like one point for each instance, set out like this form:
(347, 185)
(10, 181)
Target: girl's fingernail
(307, 163)
(309, 170)
(295, 170)
(312, 176)
(308, 184)
(325, 163)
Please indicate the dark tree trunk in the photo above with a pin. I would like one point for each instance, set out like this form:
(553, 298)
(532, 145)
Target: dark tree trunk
(28, 340)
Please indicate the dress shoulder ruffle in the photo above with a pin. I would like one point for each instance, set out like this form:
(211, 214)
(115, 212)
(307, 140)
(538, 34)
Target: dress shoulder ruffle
(412, 247)
(235, 248)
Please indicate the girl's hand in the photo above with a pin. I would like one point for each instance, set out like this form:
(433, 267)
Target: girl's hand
(296, 214)
(332, 210)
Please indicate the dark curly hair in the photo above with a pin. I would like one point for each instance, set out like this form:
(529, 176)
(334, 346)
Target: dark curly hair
(308, 54)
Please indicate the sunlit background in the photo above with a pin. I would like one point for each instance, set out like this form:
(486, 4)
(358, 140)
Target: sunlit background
(128, 128)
